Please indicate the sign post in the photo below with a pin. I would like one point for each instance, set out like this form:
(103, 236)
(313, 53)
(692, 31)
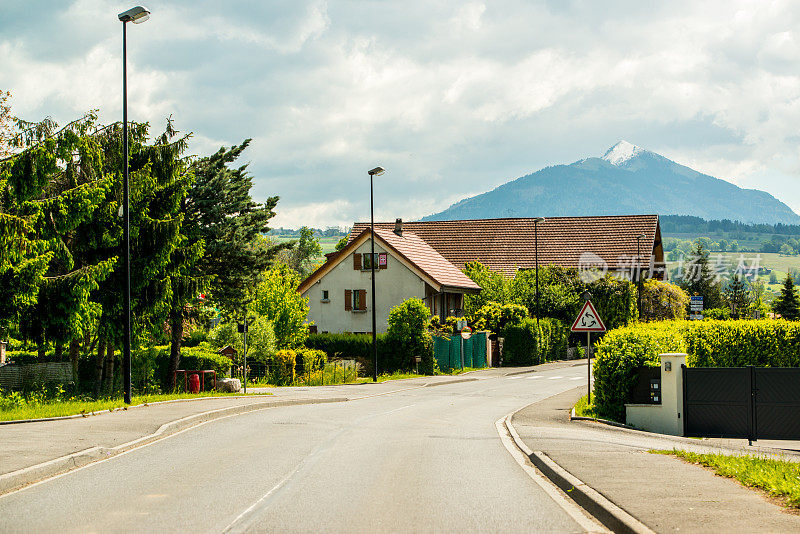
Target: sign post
(588, 321)
(465, 333)
(696, 307)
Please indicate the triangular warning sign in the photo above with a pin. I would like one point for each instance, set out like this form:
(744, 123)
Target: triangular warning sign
(588, 320)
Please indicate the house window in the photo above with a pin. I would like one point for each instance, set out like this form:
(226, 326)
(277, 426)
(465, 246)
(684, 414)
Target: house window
(325, 297)
(367, 261)
(355, 300)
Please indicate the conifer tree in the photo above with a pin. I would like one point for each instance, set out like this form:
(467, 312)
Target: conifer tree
(699, 280)
(787, 304)
(220, 211)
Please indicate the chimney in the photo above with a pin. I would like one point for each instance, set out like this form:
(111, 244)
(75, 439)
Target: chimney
(398, 227)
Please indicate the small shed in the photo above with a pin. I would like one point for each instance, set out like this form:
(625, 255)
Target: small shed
(228, 351)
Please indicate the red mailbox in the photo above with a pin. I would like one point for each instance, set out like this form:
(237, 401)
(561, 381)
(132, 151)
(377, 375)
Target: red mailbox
(194, 383)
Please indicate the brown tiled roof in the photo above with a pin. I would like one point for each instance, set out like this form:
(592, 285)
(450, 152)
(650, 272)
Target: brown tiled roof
(414, 250)
(505, 245)
(426, 259)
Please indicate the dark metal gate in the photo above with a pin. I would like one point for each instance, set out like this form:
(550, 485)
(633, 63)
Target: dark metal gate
(741, 402)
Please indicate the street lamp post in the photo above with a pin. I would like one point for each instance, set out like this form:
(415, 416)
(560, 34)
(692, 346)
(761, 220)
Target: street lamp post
(536, 260)
(137, 15)
(377, 171)
(639, 274)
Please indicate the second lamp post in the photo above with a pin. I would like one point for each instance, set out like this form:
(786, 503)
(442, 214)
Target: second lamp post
(377, 171)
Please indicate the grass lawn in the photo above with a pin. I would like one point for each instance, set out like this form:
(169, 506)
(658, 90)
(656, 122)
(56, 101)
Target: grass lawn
(777, 477)
(59, 408)
(583, 409)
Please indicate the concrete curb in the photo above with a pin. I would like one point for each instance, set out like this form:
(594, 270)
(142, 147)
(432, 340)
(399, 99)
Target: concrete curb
(520, 372)
(573, 417)
(448, 382)
(605, 511)
(23, 477)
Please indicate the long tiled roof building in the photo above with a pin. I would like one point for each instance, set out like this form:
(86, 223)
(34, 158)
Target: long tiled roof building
(507, 245)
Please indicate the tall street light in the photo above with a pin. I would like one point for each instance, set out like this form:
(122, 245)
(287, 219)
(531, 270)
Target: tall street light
(639, 274)
(536, 256)
(137, 15)
(377, 171)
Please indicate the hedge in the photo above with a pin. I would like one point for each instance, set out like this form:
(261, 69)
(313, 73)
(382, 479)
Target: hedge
(354, 347)
(707, 343)
(519, 341)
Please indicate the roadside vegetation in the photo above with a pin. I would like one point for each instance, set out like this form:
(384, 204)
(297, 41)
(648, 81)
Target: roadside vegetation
(55, 402)
(779, 478)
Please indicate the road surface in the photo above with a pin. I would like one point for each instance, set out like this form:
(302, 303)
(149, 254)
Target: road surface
(419, 460)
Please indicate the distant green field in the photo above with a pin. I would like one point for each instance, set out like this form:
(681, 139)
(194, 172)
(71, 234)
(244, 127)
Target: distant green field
(778, 263)
(328, 243)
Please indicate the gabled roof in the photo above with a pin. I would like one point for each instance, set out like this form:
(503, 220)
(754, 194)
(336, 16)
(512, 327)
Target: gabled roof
(415, 253)
(506, 245)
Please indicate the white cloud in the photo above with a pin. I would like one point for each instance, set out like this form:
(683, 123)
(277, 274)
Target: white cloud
(452, 97)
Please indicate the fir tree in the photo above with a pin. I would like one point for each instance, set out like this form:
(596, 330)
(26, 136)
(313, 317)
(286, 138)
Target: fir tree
(737, 297)
(699, 280)
(787, 304)
(220, 211)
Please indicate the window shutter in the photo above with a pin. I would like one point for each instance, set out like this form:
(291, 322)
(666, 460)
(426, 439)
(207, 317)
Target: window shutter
(357, 262)
(348, 299)
(384, 257)
(362, 299)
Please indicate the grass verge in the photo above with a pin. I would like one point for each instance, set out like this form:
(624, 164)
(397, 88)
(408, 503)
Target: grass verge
(779, 478)
(584, 409)
(60, 408)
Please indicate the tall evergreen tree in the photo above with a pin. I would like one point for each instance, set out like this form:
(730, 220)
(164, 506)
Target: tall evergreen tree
(787, 304)
(699, 280)
(737, 296)
(220, 211)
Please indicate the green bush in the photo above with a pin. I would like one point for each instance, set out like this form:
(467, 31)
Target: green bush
(408, 337)
(738, 343)
(285, 361)
(203, 357)
(519, 343)
(554, 337)
(23, 357)
(495, 316)
(312, 359)
(719, 314)
(621, 351)
(708, 343)
(356, 347)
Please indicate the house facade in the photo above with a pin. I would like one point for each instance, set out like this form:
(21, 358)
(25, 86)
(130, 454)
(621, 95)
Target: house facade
(340, 291)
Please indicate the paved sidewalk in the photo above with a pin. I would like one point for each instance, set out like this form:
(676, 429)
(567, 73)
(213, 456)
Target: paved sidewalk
(663, 492)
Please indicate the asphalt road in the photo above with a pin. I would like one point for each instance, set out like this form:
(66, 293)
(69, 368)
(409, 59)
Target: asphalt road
(420, 460)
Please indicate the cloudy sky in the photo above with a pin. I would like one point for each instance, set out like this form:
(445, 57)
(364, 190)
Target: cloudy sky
(452, 97)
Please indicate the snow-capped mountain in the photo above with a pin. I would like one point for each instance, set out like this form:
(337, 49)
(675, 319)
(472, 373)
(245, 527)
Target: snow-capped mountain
(627, 179)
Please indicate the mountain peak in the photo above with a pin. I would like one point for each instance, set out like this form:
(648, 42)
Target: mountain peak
(622, 152)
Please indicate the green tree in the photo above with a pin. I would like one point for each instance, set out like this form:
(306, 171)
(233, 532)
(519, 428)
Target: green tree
(304, 253)
(698, 279)
(736, 296)
(220, 211)
(560, 291)
(494, 287)
(277, 299)
(409, 337)
(787, 304)
(342, 243)
(663, 301)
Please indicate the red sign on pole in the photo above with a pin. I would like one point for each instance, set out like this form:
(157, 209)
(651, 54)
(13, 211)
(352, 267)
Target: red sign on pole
(588, 320)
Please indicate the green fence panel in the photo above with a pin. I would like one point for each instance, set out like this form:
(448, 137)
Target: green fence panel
(441, 351)
(479, 349)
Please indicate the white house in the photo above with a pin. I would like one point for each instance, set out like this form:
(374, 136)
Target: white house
(339, 292)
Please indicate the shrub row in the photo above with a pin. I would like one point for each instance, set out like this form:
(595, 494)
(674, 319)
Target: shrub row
(519, 341)
(708, 343)
(358, 347)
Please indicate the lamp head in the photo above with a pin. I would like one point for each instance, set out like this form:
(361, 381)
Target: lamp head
(137, 15)
(538, 219)
(640, 236)
(377, 171)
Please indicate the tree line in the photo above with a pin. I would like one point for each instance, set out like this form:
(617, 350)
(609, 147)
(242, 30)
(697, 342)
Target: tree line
(197, 238)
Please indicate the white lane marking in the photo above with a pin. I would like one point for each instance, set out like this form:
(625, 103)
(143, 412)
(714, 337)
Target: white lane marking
(576, 378)
(235, 525)
(516, 377)
(555, 377)
(533, 377)
(573, 510)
